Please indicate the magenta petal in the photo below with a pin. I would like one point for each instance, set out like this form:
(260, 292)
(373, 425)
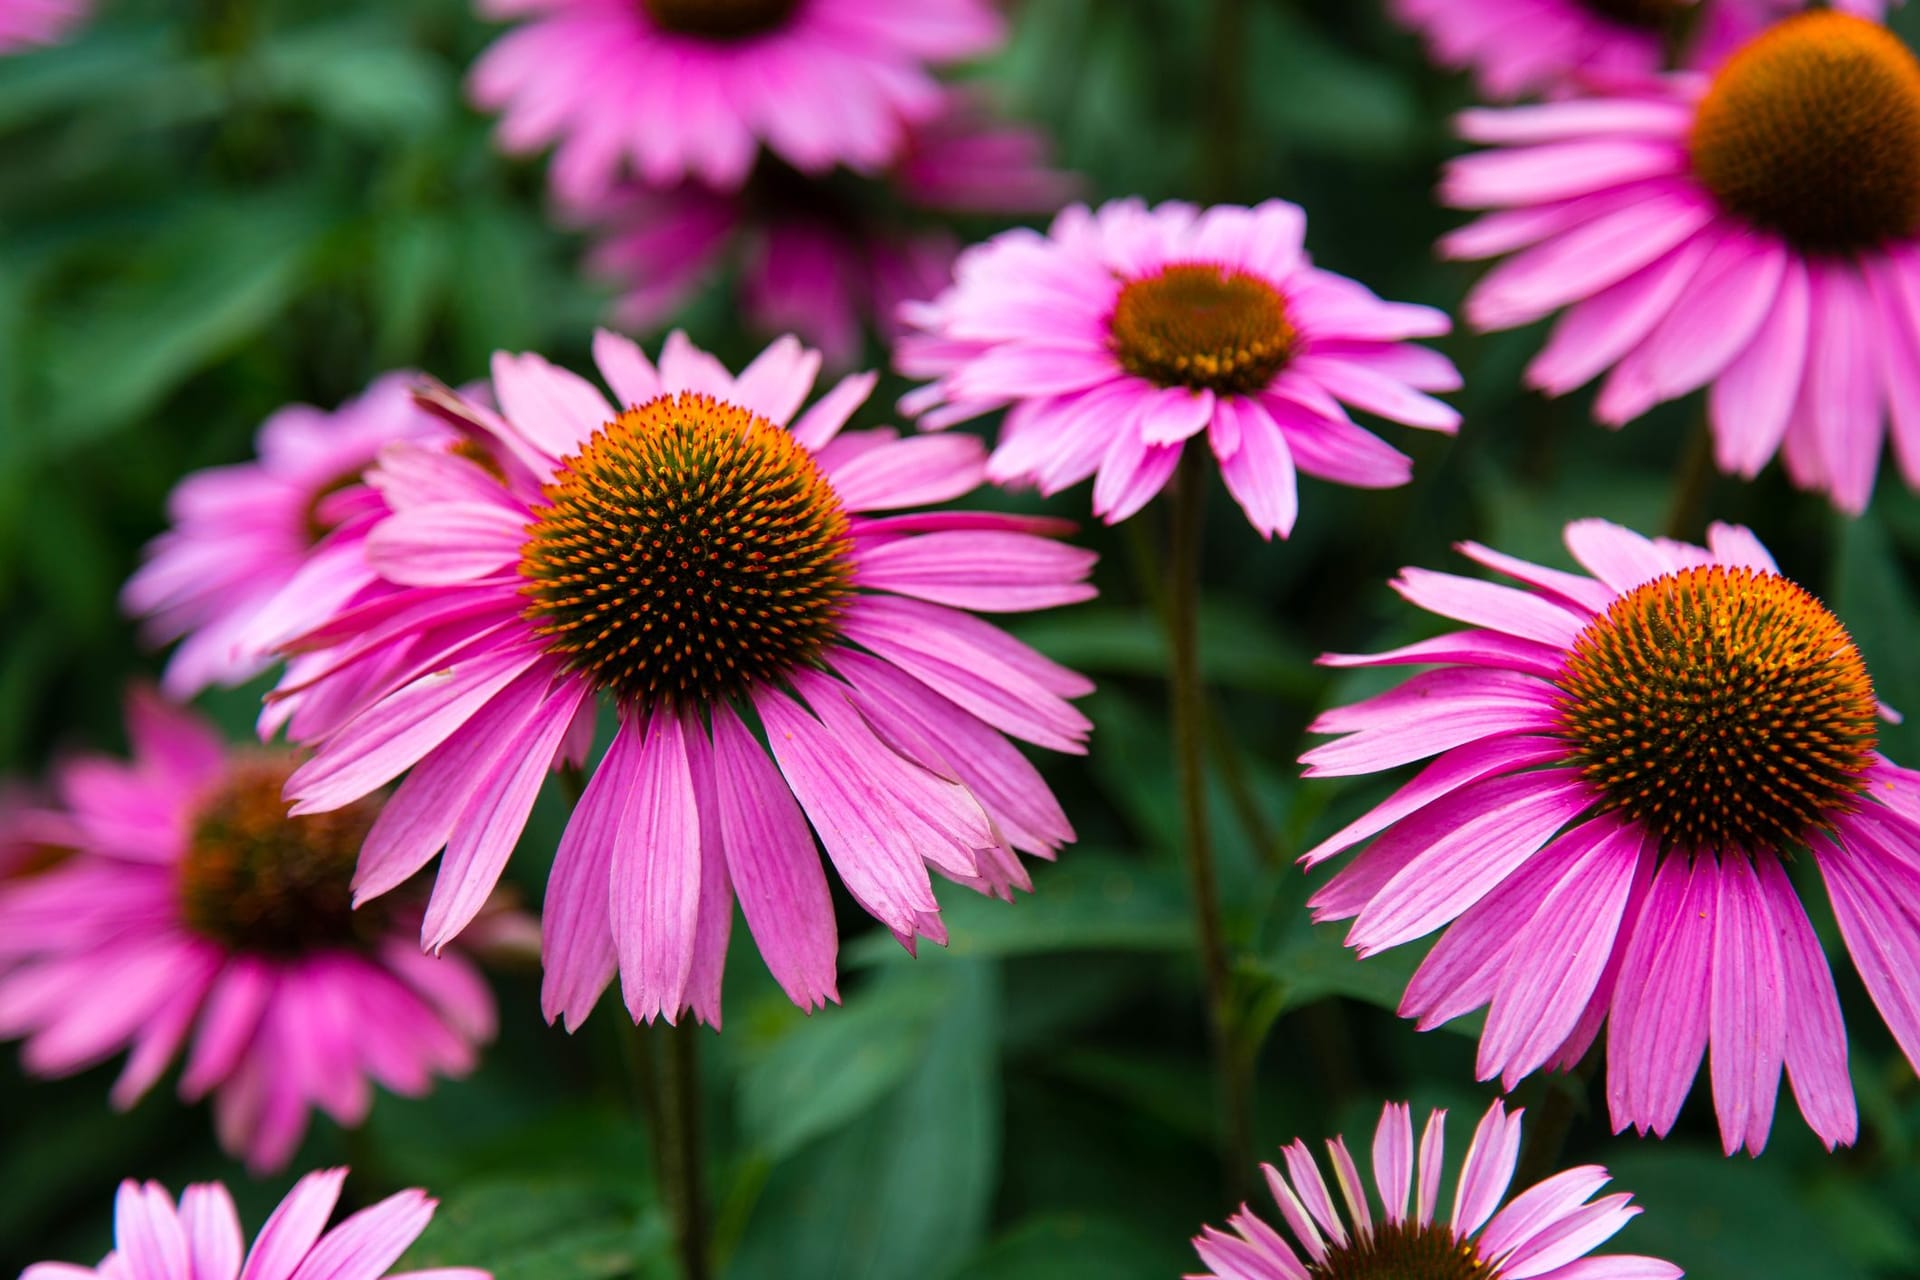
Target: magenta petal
(213, 1231)
(368, 1243)
(1487, 1169)
(775, 867)
(577, 953)
(713, 922)
(1556, 961)
(1660, 1002)
(147, 1235)
(1393, 1160)
(296, 1224)
(656, 875)
(1514, 818)
(490, 827)
(1816, 1051)
(882, 870)
(1748, 1010)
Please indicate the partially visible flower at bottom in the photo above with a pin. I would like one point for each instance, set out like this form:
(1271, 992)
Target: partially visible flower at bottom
(1543, 1233)
(26, 25)
(194, 916)
(200, 1237)
(823, 257)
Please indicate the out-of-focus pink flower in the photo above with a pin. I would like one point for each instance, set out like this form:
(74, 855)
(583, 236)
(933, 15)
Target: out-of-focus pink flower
(1756, 233)
(1547, 1230)
(267, 548)
(193, 915)
(1124, 333)
(666, 90)
(824, 258)
(200, 1238)
(1517, 47)
(1623, 765)
(789, 647)
(31, 24)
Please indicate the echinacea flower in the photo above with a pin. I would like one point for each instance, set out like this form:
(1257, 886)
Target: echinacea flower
(1125, 332)
(200, 1238)
(1546, 1232)
(823, 258)
(665, 90)
(1756, 233)
(194, 914)
(1624, 768)
(1516, 47)
(728, 577)
(264, 548)
(30, 24)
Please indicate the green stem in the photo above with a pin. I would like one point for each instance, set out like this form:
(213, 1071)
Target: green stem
(1189, 729)
(1226, 101)
(1694, 485)
(1547, 1129)
(669, 1088)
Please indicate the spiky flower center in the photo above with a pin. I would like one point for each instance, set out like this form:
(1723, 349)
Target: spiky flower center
(690, 551)
(1403, 1251)
(256, 880)
(1202, 325)
(720, 19)
(1650, 15)
(1724, 708)
(1812, 131)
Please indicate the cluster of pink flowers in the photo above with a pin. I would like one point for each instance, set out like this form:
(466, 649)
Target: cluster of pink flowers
(800, 146)
(749, 630)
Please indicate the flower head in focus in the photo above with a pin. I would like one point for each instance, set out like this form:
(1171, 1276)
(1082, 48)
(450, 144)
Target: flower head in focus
(1127, 332)
(268, 548)
(823, 257)
(200, 1237)
(1624, 767)
(667, 90)
(1756, 232)
(789, 646)
(192, 915)
(1546, 1231)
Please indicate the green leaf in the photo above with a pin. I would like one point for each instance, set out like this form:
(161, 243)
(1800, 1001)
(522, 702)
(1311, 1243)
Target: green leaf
(521, 1229)
(904, 1191)
(1088, 901)
(1053, 1246)
(836, 1064)
(1724, 1219)
(215, 276)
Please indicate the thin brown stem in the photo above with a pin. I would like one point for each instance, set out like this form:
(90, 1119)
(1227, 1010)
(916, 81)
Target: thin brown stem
(1189, 713)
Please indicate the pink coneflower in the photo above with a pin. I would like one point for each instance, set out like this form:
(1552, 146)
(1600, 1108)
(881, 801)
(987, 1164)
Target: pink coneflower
(1126, 331)
(272, 546)
(1625, 766)
(1756, 232)
(200, 1239)
(195, 914)
(825, 259)
(1516, 47)
(672, 89)
(732, 586)
(1546, 1231)
(30, 24)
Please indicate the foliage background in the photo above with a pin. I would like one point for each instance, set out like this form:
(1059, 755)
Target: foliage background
(210, 209)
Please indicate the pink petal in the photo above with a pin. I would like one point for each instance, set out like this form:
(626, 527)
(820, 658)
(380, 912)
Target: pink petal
(656, 875)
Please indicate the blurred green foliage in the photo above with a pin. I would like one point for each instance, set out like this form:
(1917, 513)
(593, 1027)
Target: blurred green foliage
(210, 209)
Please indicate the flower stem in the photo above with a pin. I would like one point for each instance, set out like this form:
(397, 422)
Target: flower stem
(670, 1090)
(1694, 484)
(1189, 710)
